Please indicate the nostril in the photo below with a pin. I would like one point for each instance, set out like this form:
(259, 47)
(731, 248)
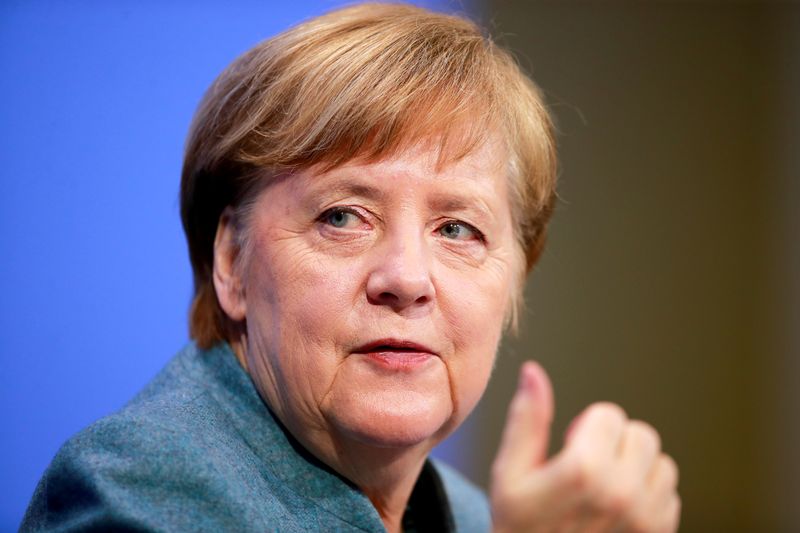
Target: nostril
(423, 299)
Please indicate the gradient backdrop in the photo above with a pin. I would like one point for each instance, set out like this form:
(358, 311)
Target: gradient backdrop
(671, 283)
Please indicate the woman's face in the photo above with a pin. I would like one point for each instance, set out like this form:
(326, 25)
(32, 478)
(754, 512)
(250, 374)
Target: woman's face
(375, 294)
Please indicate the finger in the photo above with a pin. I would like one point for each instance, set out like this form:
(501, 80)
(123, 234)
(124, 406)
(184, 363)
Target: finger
(662, 484)
(664, 518)
(597, 433)
(527, 431)
(673, 514)
(627, 496)
(661, 505)
(663, 476)
(638, 451)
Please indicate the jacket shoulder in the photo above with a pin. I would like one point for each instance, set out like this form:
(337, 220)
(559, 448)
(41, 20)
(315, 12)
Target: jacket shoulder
(132, 472)
(171, 460)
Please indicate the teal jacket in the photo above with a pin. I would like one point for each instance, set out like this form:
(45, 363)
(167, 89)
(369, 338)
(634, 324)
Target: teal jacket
(198, 450)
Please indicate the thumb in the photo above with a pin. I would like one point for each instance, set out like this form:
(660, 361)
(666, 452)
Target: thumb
(527, 431)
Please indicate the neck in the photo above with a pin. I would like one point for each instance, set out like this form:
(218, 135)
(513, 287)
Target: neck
(387, 476)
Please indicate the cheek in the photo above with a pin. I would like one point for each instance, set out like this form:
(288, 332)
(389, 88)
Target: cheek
(472, 370)
(297, 283)
(475, 312)
(299, 306)
(318, 296)
(474, 302)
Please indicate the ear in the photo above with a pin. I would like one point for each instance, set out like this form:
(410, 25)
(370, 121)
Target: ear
(227, 276)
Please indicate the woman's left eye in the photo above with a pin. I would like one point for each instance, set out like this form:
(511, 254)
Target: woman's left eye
(460, 231)
(340, 217)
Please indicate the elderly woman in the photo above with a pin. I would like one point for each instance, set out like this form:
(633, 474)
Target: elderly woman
(362, 196)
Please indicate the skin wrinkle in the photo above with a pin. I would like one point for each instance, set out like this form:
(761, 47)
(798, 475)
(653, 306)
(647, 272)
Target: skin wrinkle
(309, 408)
(312, 289)
(278, 382)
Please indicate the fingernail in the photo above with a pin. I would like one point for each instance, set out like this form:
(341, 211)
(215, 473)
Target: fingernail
(527, 382)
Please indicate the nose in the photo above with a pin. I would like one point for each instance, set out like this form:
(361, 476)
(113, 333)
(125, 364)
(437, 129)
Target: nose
(401, 277)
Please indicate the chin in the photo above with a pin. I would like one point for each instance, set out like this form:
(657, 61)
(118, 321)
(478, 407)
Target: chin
(395, 426)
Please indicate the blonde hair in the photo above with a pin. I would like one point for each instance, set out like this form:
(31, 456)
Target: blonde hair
(366, 81)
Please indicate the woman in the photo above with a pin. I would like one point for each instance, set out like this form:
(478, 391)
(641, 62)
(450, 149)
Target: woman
(362, 196)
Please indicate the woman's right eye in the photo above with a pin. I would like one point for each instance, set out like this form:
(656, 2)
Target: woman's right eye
(340, 217)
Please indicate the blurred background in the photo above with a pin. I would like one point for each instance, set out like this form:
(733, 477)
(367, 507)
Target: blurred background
(671, 282)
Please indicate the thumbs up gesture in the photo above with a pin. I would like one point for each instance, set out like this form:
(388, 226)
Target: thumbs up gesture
(610, 476)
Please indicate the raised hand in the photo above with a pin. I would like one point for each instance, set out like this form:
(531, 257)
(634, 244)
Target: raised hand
(610, 476)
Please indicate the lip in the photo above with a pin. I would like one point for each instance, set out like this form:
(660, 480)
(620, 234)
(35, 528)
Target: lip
(397, 345)
(396, 354)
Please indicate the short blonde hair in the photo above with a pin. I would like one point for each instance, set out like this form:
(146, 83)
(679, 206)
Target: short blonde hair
(361, 82)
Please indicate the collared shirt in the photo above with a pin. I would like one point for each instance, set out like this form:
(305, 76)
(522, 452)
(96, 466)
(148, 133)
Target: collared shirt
(198, 450)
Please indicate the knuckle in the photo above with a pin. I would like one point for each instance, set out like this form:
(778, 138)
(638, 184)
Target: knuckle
(609, 412)
(645, 434)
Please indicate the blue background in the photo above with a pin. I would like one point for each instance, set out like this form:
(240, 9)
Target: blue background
(94, 276)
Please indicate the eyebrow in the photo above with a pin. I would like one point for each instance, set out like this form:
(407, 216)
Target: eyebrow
(450, 203)
(353, 188)
(454, 203)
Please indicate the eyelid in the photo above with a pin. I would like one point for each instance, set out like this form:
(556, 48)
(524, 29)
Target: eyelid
(344, 208)
(478, 234)
(351, 210)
